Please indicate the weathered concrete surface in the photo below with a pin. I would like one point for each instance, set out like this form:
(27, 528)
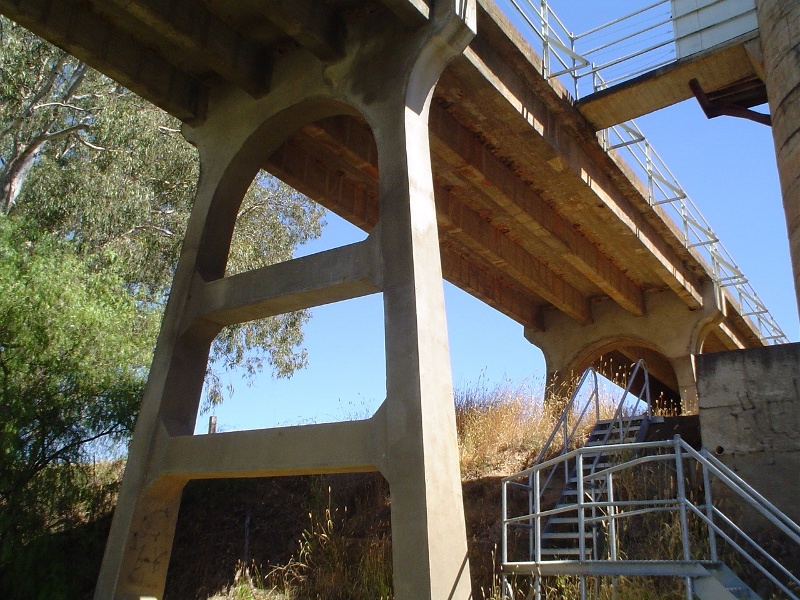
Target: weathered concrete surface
(667, 336)
(750, 416)
(386, 75)
(779, 23)
(714, 70)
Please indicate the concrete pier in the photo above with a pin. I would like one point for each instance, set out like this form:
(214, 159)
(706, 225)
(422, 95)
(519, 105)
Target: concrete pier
(779, 26)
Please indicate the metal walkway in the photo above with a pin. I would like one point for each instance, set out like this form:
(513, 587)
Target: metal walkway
(639, 509)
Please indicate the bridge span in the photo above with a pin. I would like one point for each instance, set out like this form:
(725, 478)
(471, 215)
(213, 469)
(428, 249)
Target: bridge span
(437, 129)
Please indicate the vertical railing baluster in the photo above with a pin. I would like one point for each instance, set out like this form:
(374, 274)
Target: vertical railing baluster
(687, 554)
(532, 498)
(538, 533)
(581, 520)
(545, 40)
(712, 535)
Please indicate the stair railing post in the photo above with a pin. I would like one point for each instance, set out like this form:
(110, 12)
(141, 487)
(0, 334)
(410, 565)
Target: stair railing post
(533, 500)
(712, 534)
(504, 533)
(581, 520)
(537, 548)
(682, 511)
(612, 517)
(545, 39)
(566, 449)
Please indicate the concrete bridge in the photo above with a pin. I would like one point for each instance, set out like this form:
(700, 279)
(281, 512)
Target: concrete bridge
(433, 127)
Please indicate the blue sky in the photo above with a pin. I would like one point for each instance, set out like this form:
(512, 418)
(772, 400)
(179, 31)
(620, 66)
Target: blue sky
(726, 165)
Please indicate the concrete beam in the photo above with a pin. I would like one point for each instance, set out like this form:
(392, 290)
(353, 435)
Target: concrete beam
(330, 276)
(347, 447)
(311, 23)
(714, 69)
(87, 35)
(202, 36)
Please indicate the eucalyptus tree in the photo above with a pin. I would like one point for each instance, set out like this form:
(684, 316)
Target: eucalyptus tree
(88, 161)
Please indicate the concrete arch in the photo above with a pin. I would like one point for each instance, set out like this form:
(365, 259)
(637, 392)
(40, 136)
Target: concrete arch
(240, 171)
(669, 334)
(614, 357)
(388, 79)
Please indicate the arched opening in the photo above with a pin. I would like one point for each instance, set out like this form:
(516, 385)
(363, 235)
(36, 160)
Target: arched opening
(615, 360)
(327, 166)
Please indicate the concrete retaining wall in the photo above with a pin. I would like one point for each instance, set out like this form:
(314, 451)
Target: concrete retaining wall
(750, 416)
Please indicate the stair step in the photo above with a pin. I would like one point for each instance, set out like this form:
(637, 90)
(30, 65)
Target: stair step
(609, 442)
(606, 423)
(562, 521)
(565, 552)
(567, 535)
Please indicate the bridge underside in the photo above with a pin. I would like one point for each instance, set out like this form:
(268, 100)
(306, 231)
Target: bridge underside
(460, 160)
(733, 72)
(533, 214)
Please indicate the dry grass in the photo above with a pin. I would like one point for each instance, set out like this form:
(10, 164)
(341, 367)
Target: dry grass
(500, 431)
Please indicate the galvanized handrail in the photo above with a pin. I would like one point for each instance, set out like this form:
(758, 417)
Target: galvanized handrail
(696, 234)
(610, 511)
(579, 413)
(559, 47)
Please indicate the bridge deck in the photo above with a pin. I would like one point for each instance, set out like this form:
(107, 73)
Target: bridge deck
(714, 70)
(534, 215)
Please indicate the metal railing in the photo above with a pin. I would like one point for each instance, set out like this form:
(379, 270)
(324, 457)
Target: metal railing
(649, 36)
(571, 426)
(694, 231)
(602, 56)
(665, 497)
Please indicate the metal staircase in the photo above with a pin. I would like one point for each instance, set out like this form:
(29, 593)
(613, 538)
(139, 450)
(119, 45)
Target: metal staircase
(593, 509)
(561, 533)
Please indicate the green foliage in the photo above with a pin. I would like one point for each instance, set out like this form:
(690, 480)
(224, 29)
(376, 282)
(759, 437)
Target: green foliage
(88, 161)
(74, 349)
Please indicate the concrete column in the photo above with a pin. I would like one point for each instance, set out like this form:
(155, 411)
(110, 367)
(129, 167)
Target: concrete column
(429, 542)
(779, 26)
(389, 79)
(428, 534)
(687, 383)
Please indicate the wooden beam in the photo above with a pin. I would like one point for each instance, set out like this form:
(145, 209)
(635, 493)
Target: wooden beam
(353, 140)
(411, 12)
(326, 182)
(467, 274)
(498, 248)
(197, 32)
(87, 35)
(302, 167)
(525, 114)
(526, 212)
(456, 220)
(311, 23)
